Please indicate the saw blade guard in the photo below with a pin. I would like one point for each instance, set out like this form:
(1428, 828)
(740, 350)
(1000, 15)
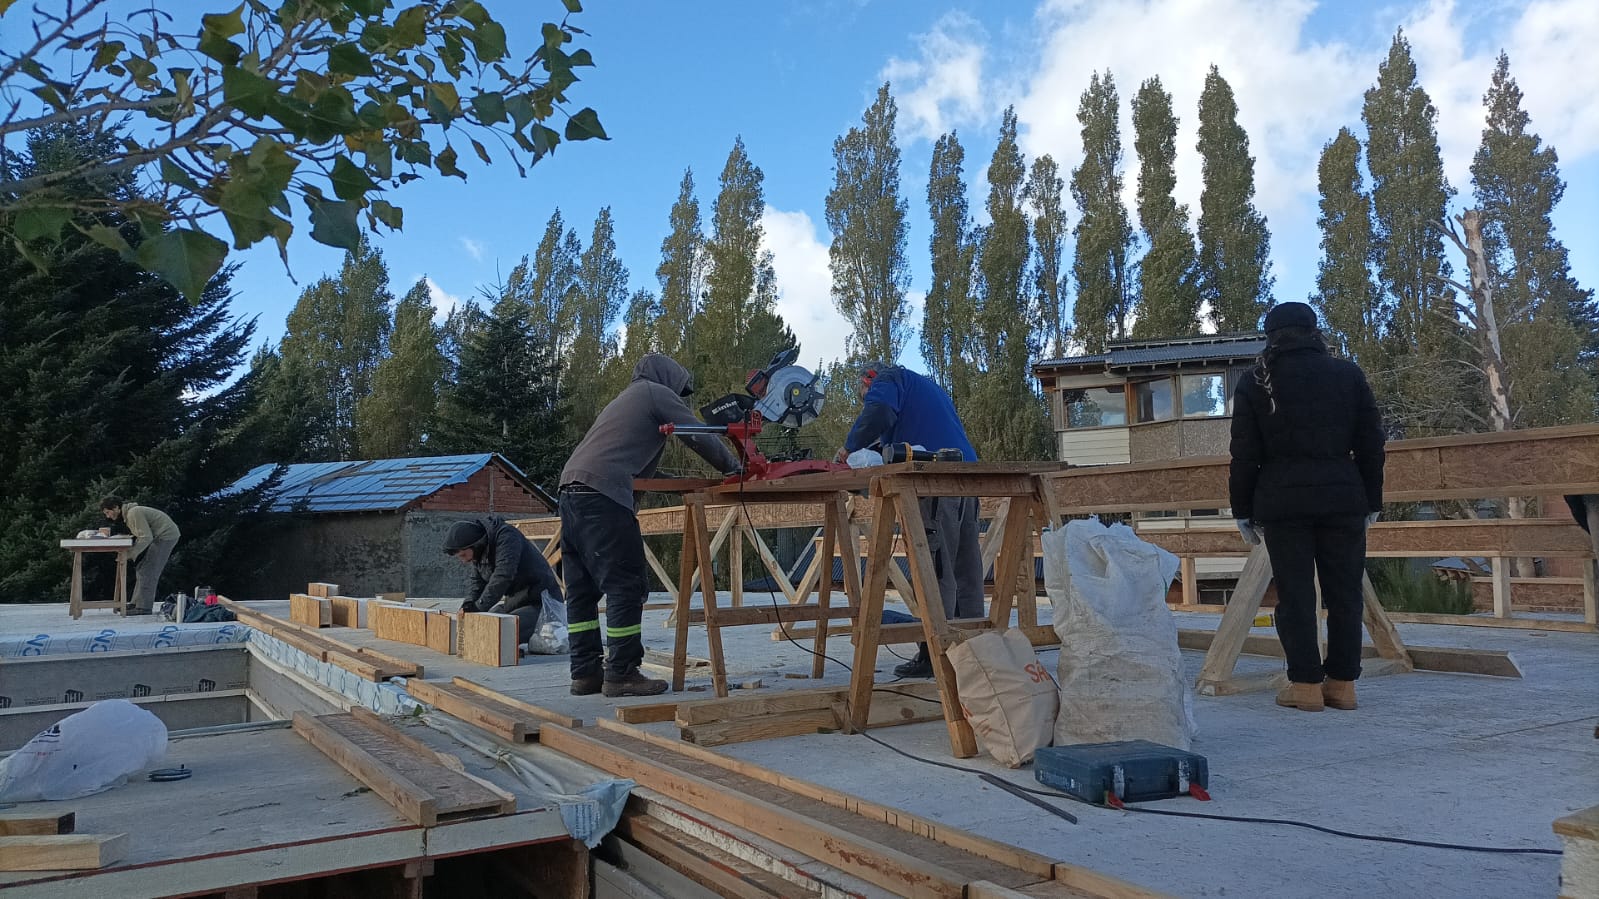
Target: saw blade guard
(793, 397)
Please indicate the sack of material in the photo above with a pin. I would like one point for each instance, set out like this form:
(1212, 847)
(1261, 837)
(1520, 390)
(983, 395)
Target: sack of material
(1120, 668)
(1006, 694)
(552, 638)
(84, 753)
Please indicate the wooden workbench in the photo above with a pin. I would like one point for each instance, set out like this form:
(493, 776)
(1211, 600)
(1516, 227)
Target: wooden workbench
(119, 588)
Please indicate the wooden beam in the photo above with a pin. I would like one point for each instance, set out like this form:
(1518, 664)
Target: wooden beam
(764, 727)
(1497, 663)
(36, 823)
(723, 874)
(502, 720)
(650, 713)
(1236, 620)
(62, 852)
(1546, 537)
(528, 708)
(1535, 624)
(489, 638)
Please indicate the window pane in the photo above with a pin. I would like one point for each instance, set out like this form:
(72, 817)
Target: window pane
(1204, 395)
(1095, 407)
(1154, 400)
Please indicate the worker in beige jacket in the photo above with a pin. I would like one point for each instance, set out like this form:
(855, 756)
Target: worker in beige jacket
(154, 536)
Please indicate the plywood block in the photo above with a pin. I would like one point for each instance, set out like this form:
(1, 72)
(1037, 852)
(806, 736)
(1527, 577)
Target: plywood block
(488, 638)
(649, 713)
(388, 665)
(392, 597)
(723, 873)
(311, 611)
(441, 628)
(318, 588)
(348, 611)
(402, 624)
(765, 727)
(62, 852)
(36, 823)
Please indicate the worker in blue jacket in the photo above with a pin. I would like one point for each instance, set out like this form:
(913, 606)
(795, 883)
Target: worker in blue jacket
(901, 406)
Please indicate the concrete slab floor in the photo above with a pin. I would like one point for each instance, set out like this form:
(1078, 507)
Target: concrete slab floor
(1428, 756)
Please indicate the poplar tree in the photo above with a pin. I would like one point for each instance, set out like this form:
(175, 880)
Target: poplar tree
(1168, 296)
(638, 338)
(948, 315)
(1103, 233)
(1345, 296)
(1043, 194)
(1550, 323)
(396, 417)
(866, 215)
(1409, 200)
(601, 287)
(552, 281)
(681, 273)
(338, 331)
(1234, 244)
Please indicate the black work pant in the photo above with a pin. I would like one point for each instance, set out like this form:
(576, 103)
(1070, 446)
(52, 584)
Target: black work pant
(1333, 549)
(951, 523)
(602, 553)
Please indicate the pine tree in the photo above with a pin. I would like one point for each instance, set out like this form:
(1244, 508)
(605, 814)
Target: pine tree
(866, 214)
(1168, 301)
(1234, 244)
(1550, 324)
(1043, 194)
(601, 288)
(552, 311)
(1409, 199)
(1103, 233)
(681, 273)
(1345, 296)
(949, 314)
(503, 398)
(338, 330)
(397, 416)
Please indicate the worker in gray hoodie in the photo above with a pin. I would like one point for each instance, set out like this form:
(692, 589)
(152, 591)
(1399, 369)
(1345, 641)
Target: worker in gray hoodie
(602, 551)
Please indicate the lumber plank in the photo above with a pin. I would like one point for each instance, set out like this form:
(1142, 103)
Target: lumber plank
(765, 727)
(311, 611)
(319, 588)
(410, 800)
(873, 862)
(650, 713)
(36, 823)
(388, 665)
(500, 719)
(1494, 662)
(1536, 624)
(711, 710)
(1237, 619)
(62, 852)
(528, 708)
(943, 834)
(441, 633)
(488, 638)
(731, 617)
(348, 611)
(701, 862)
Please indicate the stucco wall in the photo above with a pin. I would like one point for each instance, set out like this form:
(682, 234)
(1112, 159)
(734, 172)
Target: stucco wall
(361, 552)
(428, 571)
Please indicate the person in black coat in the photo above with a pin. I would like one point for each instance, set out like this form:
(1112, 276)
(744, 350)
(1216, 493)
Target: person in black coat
(1307, 467)
(509, 575)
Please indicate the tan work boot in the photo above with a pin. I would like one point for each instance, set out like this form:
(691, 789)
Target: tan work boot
(1304, 697)
(1340, 694)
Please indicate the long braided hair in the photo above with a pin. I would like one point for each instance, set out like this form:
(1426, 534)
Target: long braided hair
(1278, 342)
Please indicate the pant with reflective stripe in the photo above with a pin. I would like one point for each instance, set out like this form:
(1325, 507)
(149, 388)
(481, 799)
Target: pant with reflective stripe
(602, 554)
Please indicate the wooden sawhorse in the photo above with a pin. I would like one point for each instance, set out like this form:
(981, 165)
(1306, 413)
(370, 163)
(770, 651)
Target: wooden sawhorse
(119, 589)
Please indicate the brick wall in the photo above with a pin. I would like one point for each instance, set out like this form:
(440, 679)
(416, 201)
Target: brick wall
(489, 490)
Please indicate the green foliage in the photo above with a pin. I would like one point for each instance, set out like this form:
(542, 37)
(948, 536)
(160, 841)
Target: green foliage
(1234, 245)
(394, 420)
(1345, 296)
(337, 332)
(600, 288)
(1168, 295)
(1043, 194)
(681, 273)
(260, 106)
(866, 214)
(1103, 233)
(949, 312)
(551, 285)
(638, 339)
(1404, 588)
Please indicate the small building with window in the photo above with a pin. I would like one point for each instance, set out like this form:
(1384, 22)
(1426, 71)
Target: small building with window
(1146, 400)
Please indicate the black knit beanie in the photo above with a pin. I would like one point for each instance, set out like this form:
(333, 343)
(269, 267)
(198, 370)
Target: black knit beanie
(463, 534)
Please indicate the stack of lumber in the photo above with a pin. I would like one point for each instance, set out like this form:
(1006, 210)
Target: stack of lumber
(510, 719)
(713, 722)
(40, 840)
(368, 663)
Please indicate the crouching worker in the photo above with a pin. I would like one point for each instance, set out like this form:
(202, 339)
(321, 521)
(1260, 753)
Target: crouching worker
(509, 575)
(602, 551)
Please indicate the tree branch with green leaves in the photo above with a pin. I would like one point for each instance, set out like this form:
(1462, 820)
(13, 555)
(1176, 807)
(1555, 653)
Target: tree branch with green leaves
(332, 104)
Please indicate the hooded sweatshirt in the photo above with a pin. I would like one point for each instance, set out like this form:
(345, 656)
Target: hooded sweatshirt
(625, 441)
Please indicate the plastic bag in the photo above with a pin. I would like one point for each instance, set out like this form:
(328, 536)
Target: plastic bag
(551, 638)
(1006, 694)
(1120, 668)
(864, 458)
(84, 753)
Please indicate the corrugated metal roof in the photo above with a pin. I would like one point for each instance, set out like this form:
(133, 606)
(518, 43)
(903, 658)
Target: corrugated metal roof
(379, 485)
(1130, 353)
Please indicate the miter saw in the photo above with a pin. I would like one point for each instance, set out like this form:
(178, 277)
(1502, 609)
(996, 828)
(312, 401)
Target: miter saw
(782, 394)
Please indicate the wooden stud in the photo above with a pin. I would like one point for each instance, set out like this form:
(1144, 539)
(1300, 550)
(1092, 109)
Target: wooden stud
(1236, 620)
(317, 588)
(489, 638)
(650, 713)
(1188, 570)
(311, 611)
(832, 537)
(680, 614)
(735, 565)
(769, 560)
(1383, 633)
(502, 720)
(62, 852)
(1590, 592)
(1529, 624)
(526, 708)
(23, 824)
(1501, 586)
(397, 596)
(766, 727)
(706, 554)
(870, 624)
(441, 633)
(723, 874)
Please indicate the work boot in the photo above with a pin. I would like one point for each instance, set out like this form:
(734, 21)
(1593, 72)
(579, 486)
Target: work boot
(634, 683)
(921, 666)
(1304, 697)
(586, 686)
(1340, 694)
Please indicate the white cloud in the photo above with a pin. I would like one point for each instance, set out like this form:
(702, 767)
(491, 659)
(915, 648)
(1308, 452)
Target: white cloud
(943, 87)
(443, 302)
(475, 248)
(805, 285)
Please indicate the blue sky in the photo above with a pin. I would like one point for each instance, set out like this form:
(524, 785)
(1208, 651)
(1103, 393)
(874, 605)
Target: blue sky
(675, 83)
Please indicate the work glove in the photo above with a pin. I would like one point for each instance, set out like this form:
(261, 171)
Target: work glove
(1371, 518)
(498, 608)
(1250, 532)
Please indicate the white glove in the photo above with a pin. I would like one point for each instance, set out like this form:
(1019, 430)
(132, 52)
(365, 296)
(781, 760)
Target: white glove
(1250, 532)
(1371, 518)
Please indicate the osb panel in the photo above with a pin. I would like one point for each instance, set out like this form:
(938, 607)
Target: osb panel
(1154, 442)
